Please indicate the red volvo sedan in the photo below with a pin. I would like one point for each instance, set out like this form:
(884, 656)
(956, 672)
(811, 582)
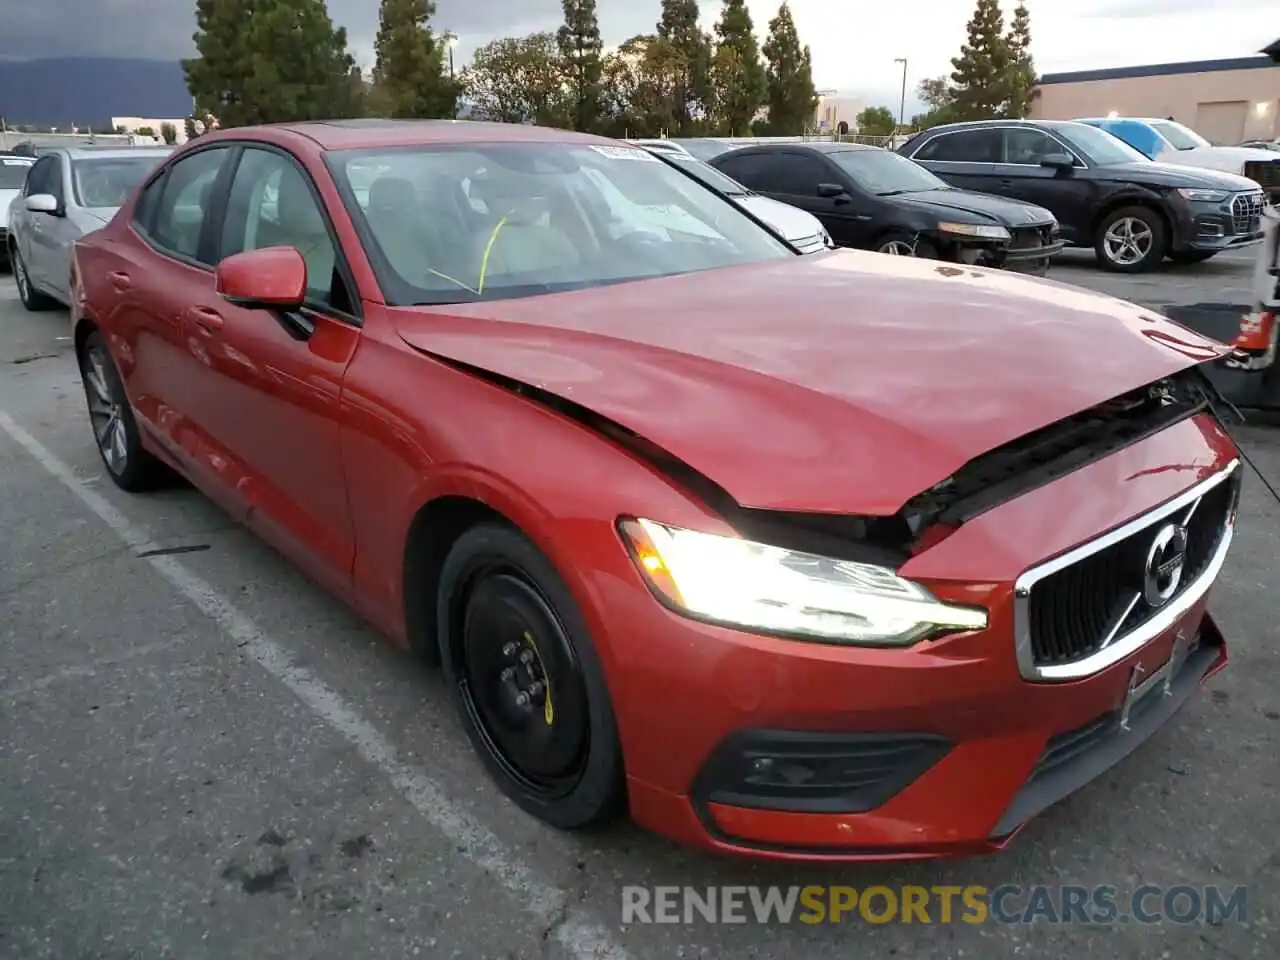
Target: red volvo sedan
(829, 556)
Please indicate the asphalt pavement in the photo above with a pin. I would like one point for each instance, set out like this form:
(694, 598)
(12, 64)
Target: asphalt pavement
(202, 755)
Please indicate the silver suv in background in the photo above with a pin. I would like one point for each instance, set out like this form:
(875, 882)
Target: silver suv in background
(68, 192)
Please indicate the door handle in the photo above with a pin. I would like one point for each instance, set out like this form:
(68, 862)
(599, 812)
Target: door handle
(206, 317)
(121, 281)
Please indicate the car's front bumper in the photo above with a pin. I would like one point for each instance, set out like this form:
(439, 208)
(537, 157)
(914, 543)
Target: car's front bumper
(1236, 222)
(1029, 250)
(947, 749)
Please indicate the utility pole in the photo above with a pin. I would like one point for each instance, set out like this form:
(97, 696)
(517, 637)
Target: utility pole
(450, 41)
(902, 104)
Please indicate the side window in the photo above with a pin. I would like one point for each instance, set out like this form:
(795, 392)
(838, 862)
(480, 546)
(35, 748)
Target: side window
(799, 175)
(144, 211)
(40, 177)
(964, 146)
(271, 205)
(751, 169)
(56, 185)
(1028, 147)
(184, 204)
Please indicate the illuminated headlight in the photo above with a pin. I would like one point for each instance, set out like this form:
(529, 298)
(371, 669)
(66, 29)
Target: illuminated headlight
(768, 589)
(985, 231)
(1207, 196)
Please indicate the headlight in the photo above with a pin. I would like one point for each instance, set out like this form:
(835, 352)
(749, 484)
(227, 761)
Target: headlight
(986, 231)
(768, 589)
(1207, 196)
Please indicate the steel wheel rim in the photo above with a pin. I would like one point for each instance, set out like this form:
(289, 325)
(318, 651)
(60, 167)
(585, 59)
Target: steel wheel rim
(897, 248)
(1128, 241)
(106, 411)
(511, 640)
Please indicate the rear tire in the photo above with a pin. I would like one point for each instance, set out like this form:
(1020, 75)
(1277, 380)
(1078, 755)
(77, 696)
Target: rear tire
(527, 679)
(1130, 240)
(115, 430)
(1192, 256)
(31, 298)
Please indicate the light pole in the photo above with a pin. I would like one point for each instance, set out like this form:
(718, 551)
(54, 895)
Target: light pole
(450, 41)
(902, 104)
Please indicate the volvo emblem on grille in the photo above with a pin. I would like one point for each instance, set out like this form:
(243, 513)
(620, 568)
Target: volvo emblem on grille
(1166, 559)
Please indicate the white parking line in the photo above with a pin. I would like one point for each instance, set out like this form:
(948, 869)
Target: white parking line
(578, 934)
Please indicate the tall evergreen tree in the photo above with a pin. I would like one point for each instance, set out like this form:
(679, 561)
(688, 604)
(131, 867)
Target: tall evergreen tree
(268, 61)
(739, 73)
(678, 26)
(1022, 69)
(980, 73)
(409, 75)
(582, 53)
(790, 94)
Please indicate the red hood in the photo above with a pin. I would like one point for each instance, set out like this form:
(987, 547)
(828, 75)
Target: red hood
(840, 383)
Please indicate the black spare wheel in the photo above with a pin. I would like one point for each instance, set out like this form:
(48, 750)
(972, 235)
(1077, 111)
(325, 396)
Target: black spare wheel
(527, 678)
(1130, 240)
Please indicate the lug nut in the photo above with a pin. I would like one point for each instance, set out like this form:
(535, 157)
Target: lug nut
(522, 699)
(509, 650)
(506, 675)
(535, 688)
(526, 657)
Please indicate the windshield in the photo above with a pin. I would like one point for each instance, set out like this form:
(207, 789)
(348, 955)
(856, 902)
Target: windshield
(709, 175)
(885, 173)
(492, 221)
(1098, 146)
(108, 181)
(13, 173)
(1182, 138)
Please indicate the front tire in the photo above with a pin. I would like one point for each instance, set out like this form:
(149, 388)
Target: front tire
(1130, 240)
(528, 681)
(115, 430)
(900, 243)
(31, 298)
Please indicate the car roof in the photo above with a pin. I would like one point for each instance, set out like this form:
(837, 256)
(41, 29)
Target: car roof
(373, 132)
(1031, 124)
(817, 146)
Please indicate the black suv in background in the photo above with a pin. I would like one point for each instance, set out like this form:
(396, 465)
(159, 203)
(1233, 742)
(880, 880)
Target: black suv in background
(874, 199)
(1105, 194)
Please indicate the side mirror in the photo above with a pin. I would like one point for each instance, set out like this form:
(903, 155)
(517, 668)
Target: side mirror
(1058, 161)
(831, 191)
(273, 278)
(43, 203)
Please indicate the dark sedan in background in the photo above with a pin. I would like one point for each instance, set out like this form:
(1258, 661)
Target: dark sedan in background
(877, 200)
(1133, 211)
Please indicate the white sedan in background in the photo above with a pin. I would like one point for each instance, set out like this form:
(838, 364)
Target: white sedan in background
(66, 194)
(798, 227)
(13, 174)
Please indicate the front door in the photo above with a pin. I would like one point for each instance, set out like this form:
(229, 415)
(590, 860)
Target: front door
(1059, 191)
(269, 398)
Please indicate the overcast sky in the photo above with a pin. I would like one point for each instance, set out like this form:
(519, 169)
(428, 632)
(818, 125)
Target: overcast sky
(854, 42)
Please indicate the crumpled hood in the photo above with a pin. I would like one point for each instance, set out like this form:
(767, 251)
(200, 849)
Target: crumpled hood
(976, 207)
(843, 382)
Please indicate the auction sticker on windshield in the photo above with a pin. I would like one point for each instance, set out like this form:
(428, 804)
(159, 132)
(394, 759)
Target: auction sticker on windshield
(626, 153)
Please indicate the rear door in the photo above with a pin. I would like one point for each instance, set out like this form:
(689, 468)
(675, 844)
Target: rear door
(151, 285)
(969, 159)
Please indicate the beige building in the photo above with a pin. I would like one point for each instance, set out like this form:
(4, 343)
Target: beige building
(1225, 101)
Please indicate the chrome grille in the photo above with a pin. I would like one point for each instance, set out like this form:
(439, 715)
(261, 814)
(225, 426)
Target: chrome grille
(1087, 609)
(1246, 212)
